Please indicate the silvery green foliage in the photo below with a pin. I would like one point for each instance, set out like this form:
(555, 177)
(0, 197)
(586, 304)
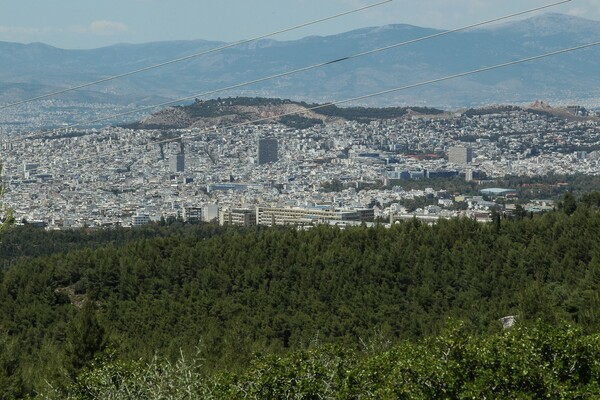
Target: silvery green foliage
(159, 379)
(537, 361)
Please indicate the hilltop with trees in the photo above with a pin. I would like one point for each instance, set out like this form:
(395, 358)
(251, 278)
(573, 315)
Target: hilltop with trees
(295, 114)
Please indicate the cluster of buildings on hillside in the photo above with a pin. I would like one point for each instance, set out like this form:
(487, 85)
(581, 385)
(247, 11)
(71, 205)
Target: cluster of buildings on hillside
(272, 174)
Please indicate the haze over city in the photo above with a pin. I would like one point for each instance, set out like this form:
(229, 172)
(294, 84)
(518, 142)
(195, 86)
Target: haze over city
(75, 24)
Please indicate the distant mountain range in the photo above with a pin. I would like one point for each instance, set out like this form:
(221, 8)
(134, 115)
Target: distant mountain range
(34, 69)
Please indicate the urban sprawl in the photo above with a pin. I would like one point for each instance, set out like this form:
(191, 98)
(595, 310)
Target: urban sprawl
(271, 174)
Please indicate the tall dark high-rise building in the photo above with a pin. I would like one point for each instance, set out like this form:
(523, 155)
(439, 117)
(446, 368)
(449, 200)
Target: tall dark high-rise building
(267, 150)
(177, 162)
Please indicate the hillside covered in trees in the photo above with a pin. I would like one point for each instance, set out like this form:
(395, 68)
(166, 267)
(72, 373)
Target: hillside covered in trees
(266, 306)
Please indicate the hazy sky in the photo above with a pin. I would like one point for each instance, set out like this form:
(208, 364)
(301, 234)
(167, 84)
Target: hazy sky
(96, 23)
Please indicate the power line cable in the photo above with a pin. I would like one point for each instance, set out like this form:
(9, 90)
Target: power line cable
(296, 71)
(203, 53)
(354, 99)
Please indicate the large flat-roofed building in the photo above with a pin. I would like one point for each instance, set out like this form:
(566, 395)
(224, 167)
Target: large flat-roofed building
(192, 214)
(460, 155)
(267, 150)
(140, 219)
(272, 216)
(232, 186)
(496, 192)
(238, 216)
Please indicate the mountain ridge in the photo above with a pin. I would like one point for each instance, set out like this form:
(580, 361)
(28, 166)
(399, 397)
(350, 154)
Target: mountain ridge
(568, 77)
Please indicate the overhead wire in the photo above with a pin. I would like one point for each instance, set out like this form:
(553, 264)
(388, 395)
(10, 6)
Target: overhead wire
(351, 100)
(189, 57)
(292, 72)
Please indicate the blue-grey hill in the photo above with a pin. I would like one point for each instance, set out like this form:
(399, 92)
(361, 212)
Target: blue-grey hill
(34, 69)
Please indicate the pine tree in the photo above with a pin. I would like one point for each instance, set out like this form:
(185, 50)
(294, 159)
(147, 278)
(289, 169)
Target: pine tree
(568, 204)
(85, 338)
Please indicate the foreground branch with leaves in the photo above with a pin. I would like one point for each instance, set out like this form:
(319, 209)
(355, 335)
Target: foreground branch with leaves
(529, 361)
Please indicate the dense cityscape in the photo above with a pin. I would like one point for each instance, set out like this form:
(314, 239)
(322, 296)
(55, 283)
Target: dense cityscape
(272, 174)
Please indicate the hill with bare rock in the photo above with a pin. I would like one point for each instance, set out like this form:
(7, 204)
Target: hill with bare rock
(234, 111)
(244, 110)
(575, 112)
